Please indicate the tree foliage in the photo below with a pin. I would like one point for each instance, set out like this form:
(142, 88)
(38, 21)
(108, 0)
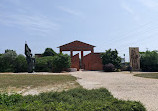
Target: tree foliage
(61, 62)
(56, 63)
(20, 64)
(149, 61)
(7, 61)
(111, 56)
(49, 52)
(43, 64)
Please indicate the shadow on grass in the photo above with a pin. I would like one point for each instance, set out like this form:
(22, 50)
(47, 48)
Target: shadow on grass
(148, 75)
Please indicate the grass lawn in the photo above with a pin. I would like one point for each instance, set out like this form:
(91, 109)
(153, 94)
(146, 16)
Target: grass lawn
(21, 81)
(148, 75)
(72, 100)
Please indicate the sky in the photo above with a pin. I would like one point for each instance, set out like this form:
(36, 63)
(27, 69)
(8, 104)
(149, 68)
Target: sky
(115, 24)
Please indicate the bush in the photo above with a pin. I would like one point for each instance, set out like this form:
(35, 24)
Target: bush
(109, 67)
(149, 61)
(43, 64)
(61, 63)
(56, 63)
(6, 99)
(76, 99)
(20, 64)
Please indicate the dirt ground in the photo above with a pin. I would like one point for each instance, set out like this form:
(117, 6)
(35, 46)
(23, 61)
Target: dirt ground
(122, 85)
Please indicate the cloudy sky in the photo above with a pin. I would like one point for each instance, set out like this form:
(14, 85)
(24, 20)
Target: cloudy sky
(116, 24)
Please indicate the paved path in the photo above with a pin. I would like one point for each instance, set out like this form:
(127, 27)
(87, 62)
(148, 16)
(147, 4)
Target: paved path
(123, 86)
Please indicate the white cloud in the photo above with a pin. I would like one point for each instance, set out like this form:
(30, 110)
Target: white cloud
(130, 10)
(26, 19)
(151, 4)
(127, 8)
(70, 11)
(37, 23)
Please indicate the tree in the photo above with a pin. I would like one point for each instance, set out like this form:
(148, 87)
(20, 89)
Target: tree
(61, 62)
(149, 61)
(111, 56)
(49, 52)
(20, 64)
(7, 61)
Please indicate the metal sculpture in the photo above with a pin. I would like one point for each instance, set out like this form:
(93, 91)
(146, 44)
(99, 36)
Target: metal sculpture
(30, 60)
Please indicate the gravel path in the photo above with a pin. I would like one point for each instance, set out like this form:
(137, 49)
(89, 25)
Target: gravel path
(122, 85)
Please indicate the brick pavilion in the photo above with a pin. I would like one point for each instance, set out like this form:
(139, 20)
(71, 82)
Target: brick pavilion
(91, 61)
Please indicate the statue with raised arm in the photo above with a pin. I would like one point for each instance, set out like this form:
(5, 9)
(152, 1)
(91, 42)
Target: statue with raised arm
(30, 60)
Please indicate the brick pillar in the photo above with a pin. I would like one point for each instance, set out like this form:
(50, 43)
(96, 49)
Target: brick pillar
(71, 54)
(60, 51)
(92, 51)
(82, 60)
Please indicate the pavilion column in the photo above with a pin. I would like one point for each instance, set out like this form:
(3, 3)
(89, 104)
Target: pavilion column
(92, 51)
(82, 59)
(60, 51)
(71, 53)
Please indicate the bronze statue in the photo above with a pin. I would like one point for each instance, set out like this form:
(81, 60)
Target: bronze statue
(30, 59)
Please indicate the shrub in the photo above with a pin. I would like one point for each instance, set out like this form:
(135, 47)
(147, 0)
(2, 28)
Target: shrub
(20, 64)
(76, 99)
(43, 64)
(109, 67)
(6, 99)
(61, 62)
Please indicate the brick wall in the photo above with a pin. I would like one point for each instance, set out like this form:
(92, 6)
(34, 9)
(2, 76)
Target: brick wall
(93, 61)
(75, 62)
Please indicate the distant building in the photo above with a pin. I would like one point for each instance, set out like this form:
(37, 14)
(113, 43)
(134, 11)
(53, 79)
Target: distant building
(38, 55)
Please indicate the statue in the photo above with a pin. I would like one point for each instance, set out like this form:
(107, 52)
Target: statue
(30, 59)
(134, 58)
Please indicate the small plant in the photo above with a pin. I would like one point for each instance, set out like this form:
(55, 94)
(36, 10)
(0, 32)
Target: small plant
(6, 99)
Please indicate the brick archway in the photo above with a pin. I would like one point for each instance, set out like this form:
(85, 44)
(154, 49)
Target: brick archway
(77, 46)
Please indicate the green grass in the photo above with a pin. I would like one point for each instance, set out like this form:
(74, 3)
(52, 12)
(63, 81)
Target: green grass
(72, 100)
(148, 75)
(24, 80)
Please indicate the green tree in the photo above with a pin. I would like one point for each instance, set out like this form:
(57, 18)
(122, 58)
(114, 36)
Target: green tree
(149, 61)
(111, 56)
(20, 64)
(49, 52)
(7, 61)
